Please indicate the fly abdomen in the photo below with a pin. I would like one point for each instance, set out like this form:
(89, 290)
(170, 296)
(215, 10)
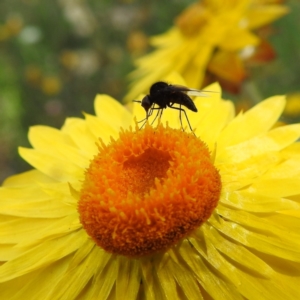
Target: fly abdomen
(186, 101)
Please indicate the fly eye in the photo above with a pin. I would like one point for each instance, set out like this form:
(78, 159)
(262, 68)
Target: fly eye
(146, 103)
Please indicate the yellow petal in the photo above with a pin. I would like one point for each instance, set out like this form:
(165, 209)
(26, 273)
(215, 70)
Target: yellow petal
(294, 213)
(30, 284)
(146, 81)
(57, 228)
(287, 169)
(246, 281)
(50, 140)
(100, 129)
(20, 202)
(193, 76)
(262, 15)
(22, 229)
(214, 122)
(282, 187)
(112, 112)
(231, 273)
(262, 225)
(237, 252)
(168, 282)
(105, 280)
(211, 98)
(245, 200)
(258, 241)
(8, 252)
(151, 284)
(212, 284)
(292, 151)
(193, 71)
(77, 130)
(52, 165)
(175, 78)
(184, 279)
(236, 175)
(83, 266)
(254, 122)
(168, 38)
(40, 256)
(128, 280)
(27, 178)
(237, 39)
(274, 140)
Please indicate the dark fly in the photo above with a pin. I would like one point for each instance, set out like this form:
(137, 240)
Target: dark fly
(163, 95)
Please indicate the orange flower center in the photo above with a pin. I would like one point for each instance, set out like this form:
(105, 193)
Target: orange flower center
(147, 190)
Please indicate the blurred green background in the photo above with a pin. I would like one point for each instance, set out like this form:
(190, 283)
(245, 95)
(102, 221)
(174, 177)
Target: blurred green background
(55, 56)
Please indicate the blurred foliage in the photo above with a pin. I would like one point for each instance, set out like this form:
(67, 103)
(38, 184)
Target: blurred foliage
(55, 56)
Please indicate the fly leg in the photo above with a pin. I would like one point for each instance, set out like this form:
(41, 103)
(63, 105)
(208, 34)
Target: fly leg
(180, 118)
(158, 114)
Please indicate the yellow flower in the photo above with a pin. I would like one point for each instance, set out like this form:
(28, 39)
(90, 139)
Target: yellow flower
(51, 85)
(137, 43)
(148, 197)
(292, 108)
(210, 40)
(33, 75)
(12, 27)
(69, 59)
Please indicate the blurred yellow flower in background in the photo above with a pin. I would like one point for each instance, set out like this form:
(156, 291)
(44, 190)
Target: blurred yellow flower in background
(86, 195)
(51, 85)
(210, 41)
(137, 43)
(33, 75)
(11, 27)
(69, 59)
(292, 108)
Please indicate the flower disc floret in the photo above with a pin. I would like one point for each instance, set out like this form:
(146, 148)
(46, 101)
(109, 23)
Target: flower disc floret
(147, 190)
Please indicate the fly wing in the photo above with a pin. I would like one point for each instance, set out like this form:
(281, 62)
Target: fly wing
(197, 93)
(188, 91)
